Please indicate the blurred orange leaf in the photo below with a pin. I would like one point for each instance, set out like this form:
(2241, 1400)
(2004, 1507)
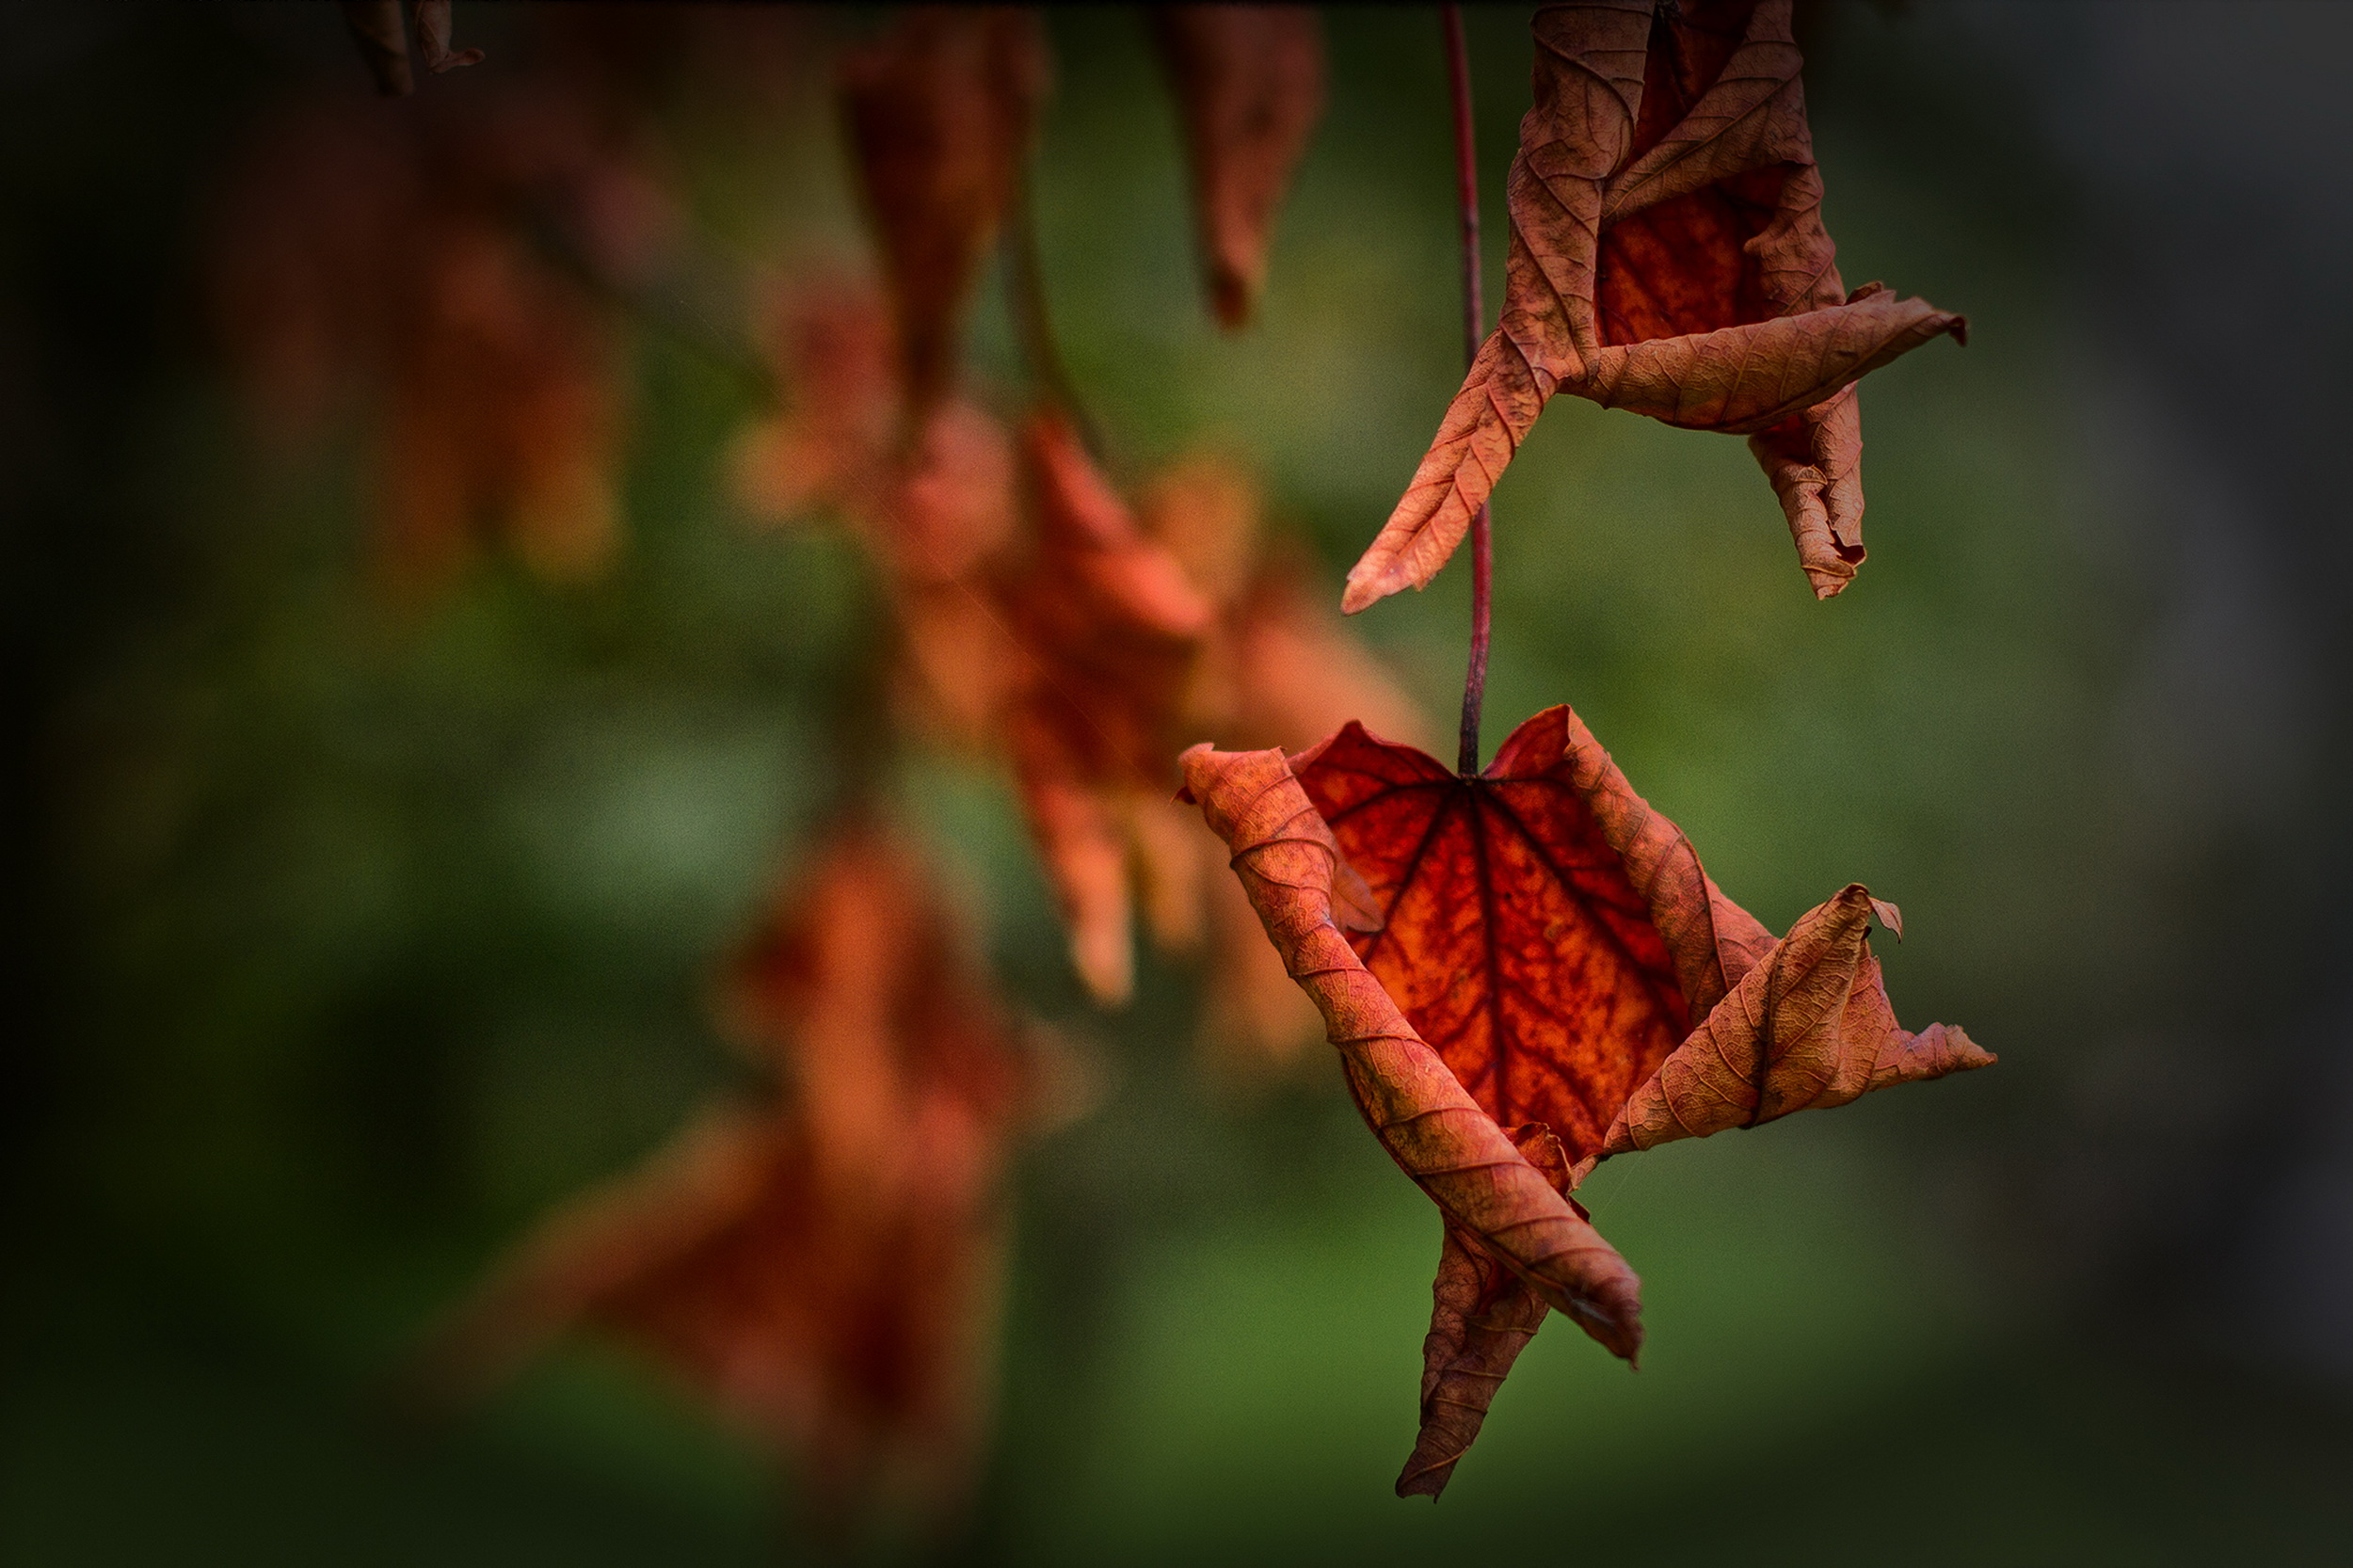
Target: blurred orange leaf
(1668, 256)
(1249, 88)
(1111, 626)
(940, 110)
(823, 1268)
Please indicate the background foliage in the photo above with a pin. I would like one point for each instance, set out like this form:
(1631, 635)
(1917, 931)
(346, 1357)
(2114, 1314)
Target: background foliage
(354, 939)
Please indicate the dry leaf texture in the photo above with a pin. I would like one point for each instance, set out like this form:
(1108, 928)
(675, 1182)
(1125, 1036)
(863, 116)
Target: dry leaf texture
(1249, 88)
(1290, 865)
(1666, 256)
(433, 39)
(1551, 942)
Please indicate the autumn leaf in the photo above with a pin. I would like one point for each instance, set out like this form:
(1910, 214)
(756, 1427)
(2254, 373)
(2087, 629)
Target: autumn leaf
(1249, 88)
(1550, 945)
(823, 1267)
(1302, 888)
(502, 400)
(939, 111)
(377, 27)
(433, 36)
(1111, 626)
(1668, 256)
(1086, 647)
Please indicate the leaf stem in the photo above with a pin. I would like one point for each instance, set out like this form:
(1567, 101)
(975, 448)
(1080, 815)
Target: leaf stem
(1474, 318)
(1033, 328)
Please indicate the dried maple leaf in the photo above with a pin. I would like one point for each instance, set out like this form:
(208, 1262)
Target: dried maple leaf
(939, 111)
(433, 36)
(1668, 256)
(1541, 977)
(824, 1268)
(1249, 88)
(937, 511)
(378, 28)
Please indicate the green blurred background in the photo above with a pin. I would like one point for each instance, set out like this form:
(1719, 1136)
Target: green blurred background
(352, 941)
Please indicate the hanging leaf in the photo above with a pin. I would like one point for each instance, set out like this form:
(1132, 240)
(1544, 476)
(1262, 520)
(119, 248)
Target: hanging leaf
(823, 1268)
(1249, 88)
(1304, 891)
(1541, 977)
(1087, 652)
(1668, 256)
(940, 110)
(378, 28)
(433, 36)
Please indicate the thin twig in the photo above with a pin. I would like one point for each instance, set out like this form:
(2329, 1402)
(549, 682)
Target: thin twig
(1025, 289)
(1474, 330)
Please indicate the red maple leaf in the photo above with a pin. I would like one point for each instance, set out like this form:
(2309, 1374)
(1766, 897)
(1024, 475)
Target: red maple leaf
(1525, 971)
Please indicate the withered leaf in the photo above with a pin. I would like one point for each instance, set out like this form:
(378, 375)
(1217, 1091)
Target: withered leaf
(1554, 948)
(833, 349)
(1290, 864)
(1666, 256)
(1249, 88)
(939, 111)
(433, 36)
(378, 28)
(824, 1268)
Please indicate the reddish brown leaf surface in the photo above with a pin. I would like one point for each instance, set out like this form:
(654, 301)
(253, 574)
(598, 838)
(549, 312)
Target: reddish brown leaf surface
(433, 39)
(834, 352)
(824, 1268)
(1289, 863)
(939, 110)
(1249, 88)
(1554, 947)
(1087, 648)
(1666, 256)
